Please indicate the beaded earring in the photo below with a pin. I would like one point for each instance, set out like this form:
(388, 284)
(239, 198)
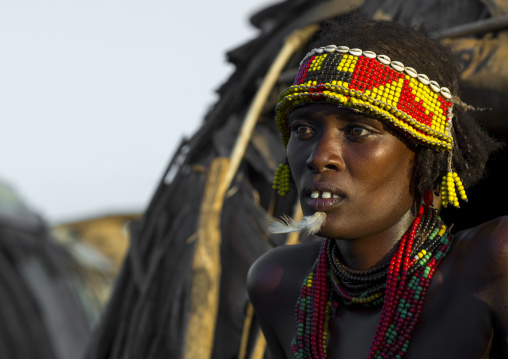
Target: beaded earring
(451, 181)
(282, 179)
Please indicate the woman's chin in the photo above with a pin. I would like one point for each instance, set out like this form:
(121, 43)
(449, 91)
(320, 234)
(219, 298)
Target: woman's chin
(327, 232)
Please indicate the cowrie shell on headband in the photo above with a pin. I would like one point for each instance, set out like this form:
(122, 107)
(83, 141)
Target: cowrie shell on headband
(445, 92)
(305, 58)
(369, 54)
(424, 79)
(383, 59)
(411, 72)
(435, 86)
(343, 49)
(355, 52)
(320, 50)
(397, 66)
(330, 48)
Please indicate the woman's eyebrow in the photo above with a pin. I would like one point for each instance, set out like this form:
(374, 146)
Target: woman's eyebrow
(359, 116)
(344, 113)
(302, 111)
(355, 115)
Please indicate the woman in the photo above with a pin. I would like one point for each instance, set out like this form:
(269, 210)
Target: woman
(377, 140)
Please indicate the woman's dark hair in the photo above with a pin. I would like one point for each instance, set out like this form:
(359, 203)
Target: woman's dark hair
(414, 48)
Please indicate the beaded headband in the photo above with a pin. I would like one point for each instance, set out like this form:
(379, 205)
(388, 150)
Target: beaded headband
(379, 87)
(372, 84)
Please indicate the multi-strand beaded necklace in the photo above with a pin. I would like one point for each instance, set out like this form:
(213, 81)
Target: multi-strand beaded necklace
(400, 287)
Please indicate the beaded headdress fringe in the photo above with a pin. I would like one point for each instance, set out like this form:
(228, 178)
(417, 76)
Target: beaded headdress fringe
(310, 224)
(373, 84)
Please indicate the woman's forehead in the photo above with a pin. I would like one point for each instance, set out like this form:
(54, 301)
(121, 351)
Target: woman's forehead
(314, 110)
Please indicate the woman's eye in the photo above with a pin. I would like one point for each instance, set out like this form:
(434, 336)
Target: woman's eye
(301, 131)
(358, 131)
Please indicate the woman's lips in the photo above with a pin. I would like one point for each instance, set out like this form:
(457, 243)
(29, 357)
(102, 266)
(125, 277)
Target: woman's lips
(323, 194)
(322, 200)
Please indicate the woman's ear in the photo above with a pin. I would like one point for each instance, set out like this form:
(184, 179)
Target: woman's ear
(432, 198)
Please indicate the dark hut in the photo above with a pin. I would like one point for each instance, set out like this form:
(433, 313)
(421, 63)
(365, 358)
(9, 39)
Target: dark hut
(181, 292)
(41, 315)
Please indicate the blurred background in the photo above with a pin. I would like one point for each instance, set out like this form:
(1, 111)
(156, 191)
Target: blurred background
(96, 95)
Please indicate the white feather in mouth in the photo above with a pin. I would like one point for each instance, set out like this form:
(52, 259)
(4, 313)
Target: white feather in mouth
(311, 224)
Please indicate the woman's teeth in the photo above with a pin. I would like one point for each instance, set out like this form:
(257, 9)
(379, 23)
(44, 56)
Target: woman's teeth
(324, 195)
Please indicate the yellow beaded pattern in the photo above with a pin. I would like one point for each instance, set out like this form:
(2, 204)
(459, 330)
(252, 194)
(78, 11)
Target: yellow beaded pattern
(365, 300)
(281, 180)
(448, 194)
(374, 85)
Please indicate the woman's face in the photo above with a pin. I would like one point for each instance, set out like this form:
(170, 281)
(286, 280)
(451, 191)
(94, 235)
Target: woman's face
(350, 166)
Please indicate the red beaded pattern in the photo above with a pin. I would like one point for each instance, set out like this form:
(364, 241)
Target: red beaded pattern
(408, 279)
(395, 94)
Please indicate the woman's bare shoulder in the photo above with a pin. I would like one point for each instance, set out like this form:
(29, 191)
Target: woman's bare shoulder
(489, 240)
(274, 282)
(482, 251)
(279, 267)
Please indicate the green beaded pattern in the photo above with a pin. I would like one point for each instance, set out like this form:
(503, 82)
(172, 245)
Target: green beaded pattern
(282, 179)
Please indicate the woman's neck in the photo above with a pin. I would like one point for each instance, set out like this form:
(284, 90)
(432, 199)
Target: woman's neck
(378, 248)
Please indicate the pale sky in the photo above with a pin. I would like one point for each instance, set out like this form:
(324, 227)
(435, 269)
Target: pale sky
(96, 95)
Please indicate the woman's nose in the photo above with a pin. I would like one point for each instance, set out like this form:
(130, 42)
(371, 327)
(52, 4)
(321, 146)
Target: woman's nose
(326, 155)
